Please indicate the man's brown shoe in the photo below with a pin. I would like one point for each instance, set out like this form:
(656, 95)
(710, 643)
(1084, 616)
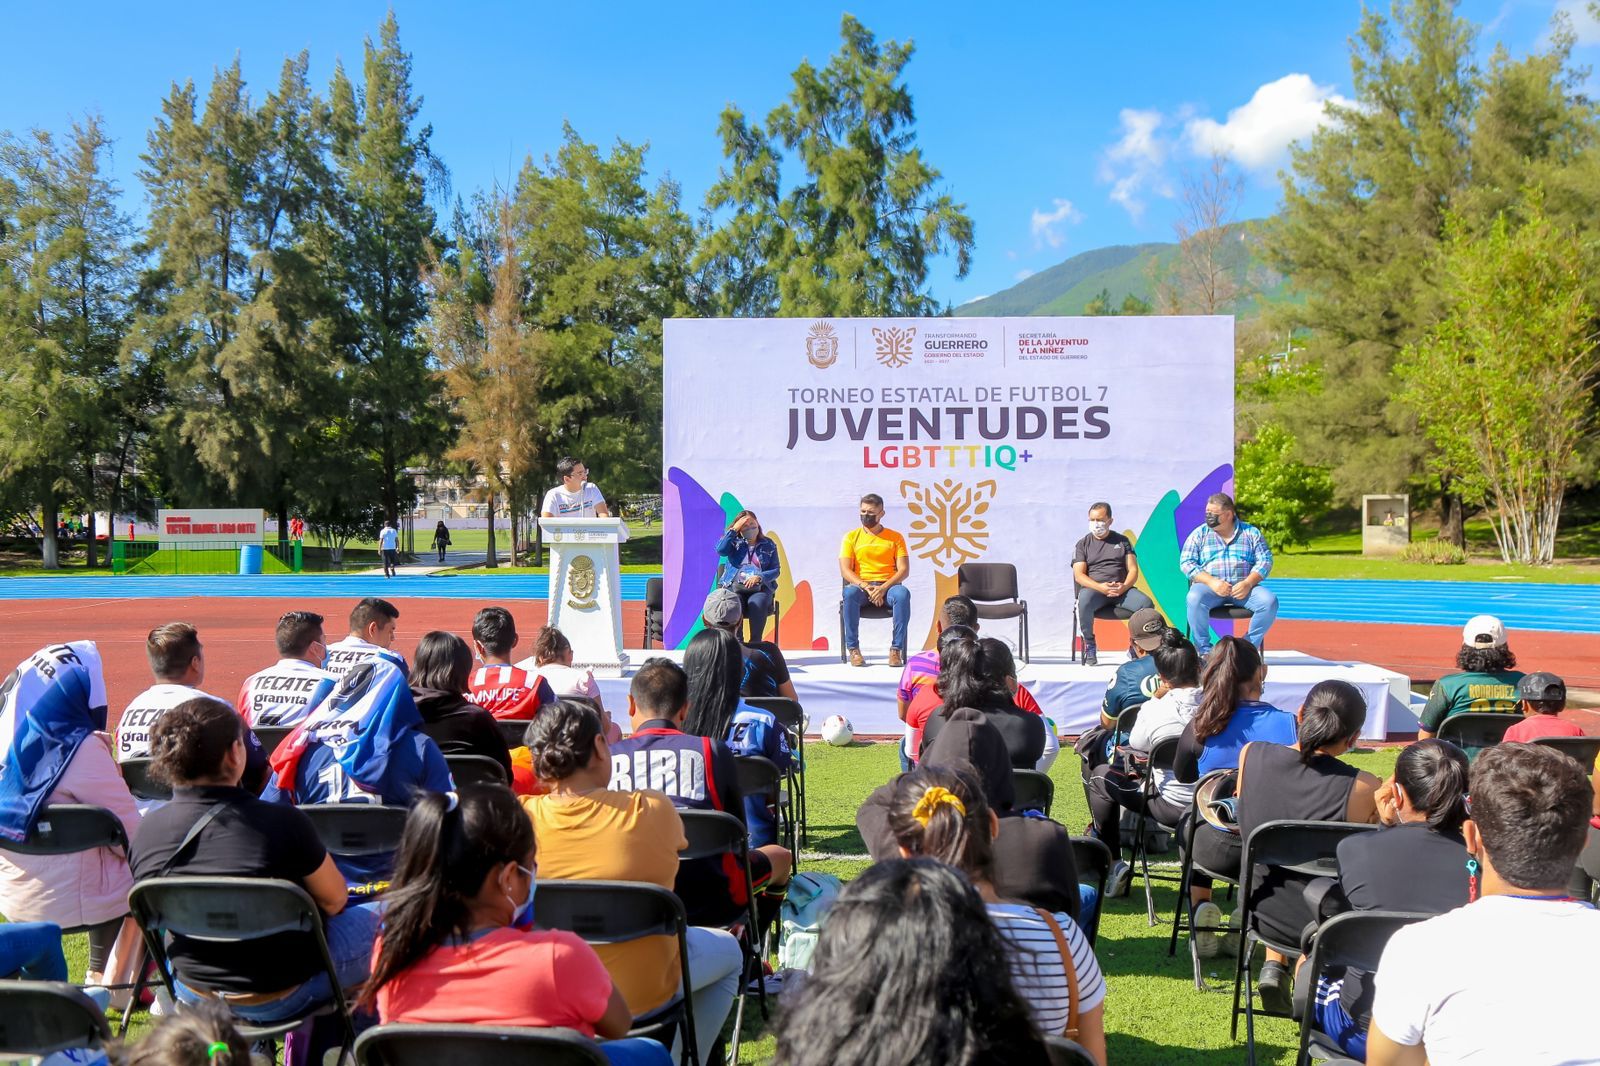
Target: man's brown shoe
(855, 657)
(895, 658)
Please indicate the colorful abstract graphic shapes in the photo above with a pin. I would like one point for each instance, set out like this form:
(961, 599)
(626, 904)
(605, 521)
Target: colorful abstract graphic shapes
(1161, 543)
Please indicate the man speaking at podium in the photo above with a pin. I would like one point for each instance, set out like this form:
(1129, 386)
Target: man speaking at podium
(574, 497)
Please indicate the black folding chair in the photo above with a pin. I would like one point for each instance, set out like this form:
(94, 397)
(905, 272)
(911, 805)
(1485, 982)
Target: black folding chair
(712, 834)
(1110, 612)
(1472, 731)
(994, 591)
(868, 610)
(1126, 719)
(400, 1044)
(1227, 611)
(1160, 760)
(352, 829)
(1064, 1052)
(137, 775)
(1093, 860)
(271, 736)
(1035, 791)
(760, 776)
(515, 731)
(40, 1018)
(1180, 909)
(654, 605)
(1584, 749)
(476, 770)
(792, 717)
(235, 910)
(1302, 847)
(614, 912)
(68, 828)
(1354, 939)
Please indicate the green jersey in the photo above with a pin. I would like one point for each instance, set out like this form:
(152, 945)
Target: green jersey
(1459, 693)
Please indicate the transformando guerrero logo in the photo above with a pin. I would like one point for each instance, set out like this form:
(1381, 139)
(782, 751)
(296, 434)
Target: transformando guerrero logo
(893, 345)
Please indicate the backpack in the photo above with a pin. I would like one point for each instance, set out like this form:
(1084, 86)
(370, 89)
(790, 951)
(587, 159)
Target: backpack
(809, 897)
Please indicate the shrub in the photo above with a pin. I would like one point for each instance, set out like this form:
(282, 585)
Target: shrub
(1436, 552)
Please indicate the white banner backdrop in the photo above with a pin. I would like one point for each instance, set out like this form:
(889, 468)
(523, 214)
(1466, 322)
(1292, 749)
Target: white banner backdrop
(988, 439)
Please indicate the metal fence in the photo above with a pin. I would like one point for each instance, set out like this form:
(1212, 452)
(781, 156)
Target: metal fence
(201, 557)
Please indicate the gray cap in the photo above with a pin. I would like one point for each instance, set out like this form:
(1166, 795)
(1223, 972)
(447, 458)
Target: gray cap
(1542, 687)
(1146, 627)
(722, 609)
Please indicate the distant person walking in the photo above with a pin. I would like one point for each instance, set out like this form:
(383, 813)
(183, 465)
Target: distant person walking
(389, 544)
(441, 538)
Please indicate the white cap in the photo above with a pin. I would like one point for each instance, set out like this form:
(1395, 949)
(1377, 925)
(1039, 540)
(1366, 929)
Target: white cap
(1484, 631)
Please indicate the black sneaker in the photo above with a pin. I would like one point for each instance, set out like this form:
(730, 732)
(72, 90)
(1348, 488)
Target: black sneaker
(1274, 987)
(1090, 658)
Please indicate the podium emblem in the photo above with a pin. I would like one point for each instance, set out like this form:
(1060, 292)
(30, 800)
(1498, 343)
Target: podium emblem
(580, 583)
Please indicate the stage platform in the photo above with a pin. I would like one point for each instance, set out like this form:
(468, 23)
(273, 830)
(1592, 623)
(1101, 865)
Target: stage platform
(1070, 693)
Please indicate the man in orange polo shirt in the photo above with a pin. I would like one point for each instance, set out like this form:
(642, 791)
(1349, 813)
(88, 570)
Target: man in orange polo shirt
(874, 564)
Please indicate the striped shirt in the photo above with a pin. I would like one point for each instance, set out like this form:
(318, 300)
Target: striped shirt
(1035, 963)
(1231, 560)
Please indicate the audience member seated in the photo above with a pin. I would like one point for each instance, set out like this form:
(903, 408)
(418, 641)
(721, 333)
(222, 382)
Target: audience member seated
(999, 654)
(922, 669)
(286, 692)
(505, 691)
(438, 681)
(179, 666)
(970, 676)
(1033, 860)
(925, 698)
(1441, 986)
(214, 828)
(1588, 870)
(1304, 781)
(1114, 788)
(1544, 697)
(373, 624)
(32, 951)
(905, 935)
(696, 773)
(1133, 685)
(203, 1035)
(1487, 682)
(53, 710)
(363, 745)
(551, 661)
(458, 944)
(766, 671)
(1231, 715)
(712, 664)
(1417, 864)
(586, 831)
(938, 812)
(750, 569)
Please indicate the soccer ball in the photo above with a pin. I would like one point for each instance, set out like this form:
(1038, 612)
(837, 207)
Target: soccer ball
(837, 730)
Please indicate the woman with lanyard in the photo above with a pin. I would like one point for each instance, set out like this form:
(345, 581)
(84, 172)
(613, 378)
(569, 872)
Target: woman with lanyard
(1510, 976)
(750, 568)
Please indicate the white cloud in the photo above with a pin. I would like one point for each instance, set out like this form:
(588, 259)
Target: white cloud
(1046, 225)
(1022, 275)
(1584, 25)
(1133, 164)
(1257, 134)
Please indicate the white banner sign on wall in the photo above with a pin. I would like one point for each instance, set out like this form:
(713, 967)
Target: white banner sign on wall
(988, 440)
(212, 526)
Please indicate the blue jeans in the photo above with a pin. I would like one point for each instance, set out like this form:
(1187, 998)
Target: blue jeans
(1201, 600)
(899, 603)
(635, 1051)
(716, 965)
(32, 951)
(1091, 600)
(757, 606)
(350, 935)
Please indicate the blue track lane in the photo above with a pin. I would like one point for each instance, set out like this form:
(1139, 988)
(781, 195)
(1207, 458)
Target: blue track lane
(1520, 605)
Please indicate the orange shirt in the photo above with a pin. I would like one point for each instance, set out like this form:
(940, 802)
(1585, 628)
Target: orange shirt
(616, 836)
(875, 554)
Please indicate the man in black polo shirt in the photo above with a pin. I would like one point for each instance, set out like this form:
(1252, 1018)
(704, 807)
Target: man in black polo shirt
(698, 774)
(1106, 571)
(766, 673)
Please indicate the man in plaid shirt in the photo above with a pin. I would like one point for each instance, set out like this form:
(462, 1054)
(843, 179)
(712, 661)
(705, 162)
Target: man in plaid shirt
(1226, 561)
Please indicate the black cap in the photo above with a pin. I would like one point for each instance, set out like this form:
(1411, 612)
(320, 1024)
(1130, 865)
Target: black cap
(1146, 627)
(1542, 687)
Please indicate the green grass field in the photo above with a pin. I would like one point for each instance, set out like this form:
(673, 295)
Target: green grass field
(1154, 1016)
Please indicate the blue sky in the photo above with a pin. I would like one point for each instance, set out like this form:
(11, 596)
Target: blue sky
(1062, 126)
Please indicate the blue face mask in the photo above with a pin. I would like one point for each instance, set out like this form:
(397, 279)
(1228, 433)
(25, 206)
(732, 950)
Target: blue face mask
(522, 917)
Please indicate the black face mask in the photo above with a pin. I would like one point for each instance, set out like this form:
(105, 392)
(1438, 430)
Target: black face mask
(1213, 520)
(869, 520)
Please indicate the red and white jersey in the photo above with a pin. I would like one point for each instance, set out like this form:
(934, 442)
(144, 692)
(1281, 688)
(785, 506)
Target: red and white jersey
(133, 728)
(509, 692)
(284, 693)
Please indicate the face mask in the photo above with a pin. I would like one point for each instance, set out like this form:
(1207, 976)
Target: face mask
(752, 534)
(522, 917)
(1099, 529)
(1213, 520)
(869, 520)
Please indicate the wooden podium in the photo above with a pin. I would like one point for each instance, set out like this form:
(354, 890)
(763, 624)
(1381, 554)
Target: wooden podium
(585, 589)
